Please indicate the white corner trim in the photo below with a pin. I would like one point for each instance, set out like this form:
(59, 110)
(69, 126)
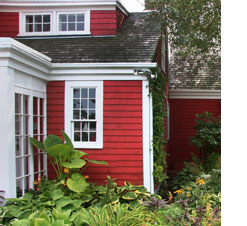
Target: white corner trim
(147, 136)
(194, 94)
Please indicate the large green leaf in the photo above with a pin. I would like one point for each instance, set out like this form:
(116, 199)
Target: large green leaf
(57, 194)
(77, 183)
(23, 222)
(37, 143)
(74, 164)
(130, 196)
(78, 154)
(68, 141)
(52, 140)
(58, 150)
(97, 162)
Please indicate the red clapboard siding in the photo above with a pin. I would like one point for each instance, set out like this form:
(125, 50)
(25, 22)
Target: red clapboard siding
(182, 120)
(9, 24)
(122, 141)
(120, 18)
(103, 22)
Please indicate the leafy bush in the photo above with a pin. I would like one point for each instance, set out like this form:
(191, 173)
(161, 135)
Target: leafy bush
(67, 162)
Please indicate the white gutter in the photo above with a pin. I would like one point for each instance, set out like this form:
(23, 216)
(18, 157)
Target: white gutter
(194, 94)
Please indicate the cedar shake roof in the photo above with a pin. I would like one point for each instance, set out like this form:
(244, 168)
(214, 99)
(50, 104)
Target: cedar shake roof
(136, 41)
(191, 74)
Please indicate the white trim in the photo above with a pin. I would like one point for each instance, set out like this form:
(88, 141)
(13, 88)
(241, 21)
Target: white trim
(68, 107)
(147, 136)
(194, 94)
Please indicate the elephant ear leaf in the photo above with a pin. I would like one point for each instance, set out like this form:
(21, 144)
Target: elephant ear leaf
(97, 162)
(68, 141)
(78, 154)
(52, 140)
(74, 164)
(77, 183)
(59, 150)
(37, 143)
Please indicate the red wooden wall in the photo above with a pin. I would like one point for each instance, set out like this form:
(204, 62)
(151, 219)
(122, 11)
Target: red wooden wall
(182, 120)
(9, 24)
(122, 128)
(103, 22)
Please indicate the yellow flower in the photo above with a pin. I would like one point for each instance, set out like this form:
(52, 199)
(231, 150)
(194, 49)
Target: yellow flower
(188, 195)
(180, 191)
(62, 182)
(200, 181)
(39, 179)
(35, 182)
(66, 170)
(189, 188)
(86, 177)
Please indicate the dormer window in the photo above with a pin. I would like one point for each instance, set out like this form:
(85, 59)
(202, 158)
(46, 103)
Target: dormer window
(38, 23)
(71, 22)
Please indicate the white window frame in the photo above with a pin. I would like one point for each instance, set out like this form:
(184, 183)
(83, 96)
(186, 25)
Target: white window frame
(86, 23)
(23, 24)
(69, 86)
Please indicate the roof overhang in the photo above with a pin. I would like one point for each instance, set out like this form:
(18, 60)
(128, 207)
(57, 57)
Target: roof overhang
(194, 94)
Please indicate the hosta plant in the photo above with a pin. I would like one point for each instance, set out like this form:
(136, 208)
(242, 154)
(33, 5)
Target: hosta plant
(67, 162)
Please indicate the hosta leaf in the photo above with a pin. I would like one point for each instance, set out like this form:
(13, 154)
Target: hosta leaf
(97, 162)
(39, 222)
(78, 154)
(74, 164)
(134, 204)
(114, 200)
(63, 202)
(58, 150)
(68, 141)
(37, 143)
(52, 140)
(23, 222)
(57, 194)
(129, 196)
(77, 183)
(24, 214)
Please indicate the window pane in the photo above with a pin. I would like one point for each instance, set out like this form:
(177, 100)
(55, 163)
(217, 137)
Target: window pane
(84, 93)
(46, 18)
(77, 136)
(84, 126)
(76, 104)
(41, 106)
(63, 18)
(19, 166)
(92, 136)
(19, 188)
(77, 126)
(17, 103)
(18, 146)
(84, 103)
(91, 93)
(84, 136)
(29, 28)
(76, 93)
(29, 19)
(80, 17)
(80, 27)
(63, 27)
(38, 18)
(71, 18)
(92, 103)
(26, 165)
(92, 126)
(71, 27)
(17, 125)
(83, 114)
(26, 145)
(46, 27)
(35, 106)
(38, 27)
(91, 114)
(76, 114)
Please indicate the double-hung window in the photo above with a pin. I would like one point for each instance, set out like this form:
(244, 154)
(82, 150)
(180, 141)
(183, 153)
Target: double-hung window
(71, 21)
(84, 113)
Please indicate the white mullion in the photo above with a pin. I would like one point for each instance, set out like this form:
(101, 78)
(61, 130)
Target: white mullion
(38, 131)
(22, 143)
(45, 133)
(31, 158)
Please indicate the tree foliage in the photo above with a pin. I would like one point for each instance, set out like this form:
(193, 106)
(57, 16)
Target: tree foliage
(192, 27)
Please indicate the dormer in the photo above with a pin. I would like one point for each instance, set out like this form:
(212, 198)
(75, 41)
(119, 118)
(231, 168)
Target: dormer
(60, 18)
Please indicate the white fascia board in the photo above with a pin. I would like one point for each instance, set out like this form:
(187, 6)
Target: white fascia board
(11, 45)
(194, 94)
(122, 8)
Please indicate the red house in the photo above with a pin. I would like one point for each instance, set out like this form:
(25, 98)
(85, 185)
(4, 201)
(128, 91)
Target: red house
(80, 66)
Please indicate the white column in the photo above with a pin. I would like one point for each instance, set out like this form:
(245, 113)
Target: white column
(7, 132)
(147, 132)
